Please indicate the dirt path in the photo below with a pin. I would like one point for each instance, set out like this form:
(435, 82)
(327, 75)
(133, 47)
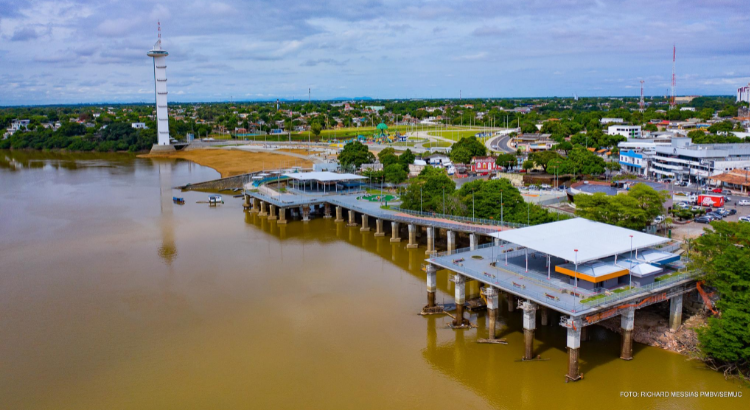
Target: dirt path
(235, 162)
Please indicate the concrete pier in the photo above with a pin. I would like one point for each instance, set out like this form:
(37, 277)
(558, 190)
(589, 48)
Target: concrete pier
(272, 212)
(256, 205)
(431, 308)
(493, 303)
(412, 237)
(460, 296)
(451, 239)
(473, 241)
(305, 213)
(585, 334)
(675, 312)
(263, 211)
(430, 241)
(529, 325)
(282, 216)
(379, 228)
(627, 323)
(544, 313)
(327, 211)
(339, 215)
(365, 223)
(511, 302)
(574, 344)
(352, 221)
(394, 232)
(246, 204)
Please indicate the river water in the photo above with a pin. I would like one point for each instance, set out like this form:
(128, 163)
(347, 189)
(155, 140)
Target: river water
(111, 297)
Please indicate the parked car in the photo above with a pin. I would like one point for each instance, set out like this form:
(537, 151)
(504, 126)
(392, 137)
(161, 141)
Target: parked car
(702, 219)
(715, 215)
(744, 202)
(732, 212)
(696, 208)
(682, 205)
(659, 219)
(744, 219)
(716, 190)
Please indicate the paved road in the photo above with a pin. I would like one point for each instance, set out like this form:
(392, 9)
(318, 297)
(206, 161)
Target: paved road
(500, 143)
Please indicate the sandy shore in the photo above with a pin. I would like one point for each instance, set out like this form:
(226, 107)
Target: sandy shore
(235, 162)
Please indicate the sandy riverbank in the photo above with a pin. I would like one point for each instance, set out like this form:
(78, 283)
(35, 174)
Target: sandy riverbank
(235, 162)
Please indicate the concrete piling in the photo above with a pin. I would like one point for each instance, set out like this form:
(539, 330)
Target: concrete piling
(305, 213)
(282, 216)
(256, 205)
(510, 299)
(451, 239)
(339, 215)
(431, 285)
(460, 297)
(263, 211)
(365, 224)
(493, 302)
(327, 211)
(394, 232)
(272, 212)
(675, 312)
(627, 323)
(430, 241)
(473, 241)
(379, 228)
(574, 344)
(529, 325)
(544, 314)
(412, 237)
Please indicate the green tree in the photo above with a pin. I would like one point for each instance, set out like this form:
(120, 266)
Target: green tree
(355, 154)
(428, 191)
(722, 253)
(395, 173)
(506, 160)
(634, 210)
(316, 128)
(466, 148)
(385, 152)
(542, 158)
(406, 159)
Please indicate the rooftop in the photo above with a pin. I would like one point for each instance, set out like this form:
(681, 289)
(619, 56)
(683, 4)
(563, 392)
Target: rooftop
(579, 240)
(322, 176)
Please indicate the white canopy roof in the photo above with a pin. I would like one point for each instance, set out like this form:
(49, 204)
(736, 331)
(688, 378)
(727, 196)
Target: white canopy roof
(593, 240)
(323, 176)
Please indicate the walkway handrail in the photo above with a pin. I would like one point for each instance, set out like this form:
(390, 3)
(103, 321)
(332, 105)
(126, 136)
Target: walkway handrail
(466, 219)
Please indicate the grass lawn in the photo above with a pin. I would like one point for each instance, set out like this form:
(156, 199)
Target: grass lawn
(440, 144)
(602, 295)
(454, 135)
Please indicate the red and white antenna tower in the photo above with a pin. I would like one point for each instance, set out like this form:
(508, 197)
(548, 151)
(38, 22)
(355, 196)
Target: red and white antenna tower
(672, 102)
(641, 103)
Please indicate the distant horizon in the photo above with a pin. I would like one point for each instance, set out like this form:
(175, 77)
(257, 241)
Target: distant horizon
(85, 52)
(345, 99)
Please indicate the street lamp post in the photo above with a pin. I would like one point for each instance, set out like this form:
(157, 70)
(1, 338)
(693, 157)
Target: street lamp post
(501, 207)
(576, 272)
(630, 271)
(420, 198)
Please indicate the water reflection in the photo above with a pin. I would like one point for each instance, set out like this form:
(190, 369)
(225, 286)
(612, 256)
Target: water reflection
(168, 250)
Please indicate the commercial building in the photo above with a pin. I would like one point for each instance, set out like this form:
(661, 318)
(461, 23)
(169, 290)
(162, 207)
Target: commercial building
(743, 93)
(483, 165)
(629, 131)
(686, 161)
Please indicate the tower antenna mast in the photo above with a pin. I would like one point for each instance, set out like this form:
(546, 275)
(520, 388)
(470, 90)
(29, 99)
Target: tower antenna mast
(672, 102)
(641, 103)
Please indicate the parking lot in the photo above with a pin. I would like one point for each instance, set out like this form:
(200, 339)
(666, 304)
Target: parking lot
(694, 229)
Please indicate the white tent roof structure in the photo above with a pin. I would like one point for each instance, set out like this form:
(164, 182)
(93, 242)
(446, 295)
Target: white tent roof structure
(593, 240)
(322, 176)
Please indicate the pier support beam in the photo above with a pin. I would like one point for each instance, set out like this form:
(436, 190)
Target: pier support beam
(459, 321)
(574, 344)
(585, 334)
(263, 211)
(365, 224)
(327, 214)
(412, 237)
(379, 227)
(496, 241)
(545, 315)
(430, 241)
(305, 213)
(493, 303)
(394, 232)
(351, 219)
(282, 216)
(451, 239)
(339, 216)
(511, 305)
(272, 212)
(627, 323)
(256, 205)
(431, 308)
(473, 241)
(246, 204)
(675, 312)
(529, 325)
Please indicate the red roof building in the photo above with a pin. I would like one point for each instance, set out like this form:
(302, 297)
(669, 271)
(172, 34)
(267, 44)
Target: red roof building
(483, 165)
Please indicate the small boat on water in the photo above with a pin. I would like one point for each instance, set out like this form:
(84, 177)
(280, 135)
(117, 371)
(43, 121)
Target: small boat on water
(178, 200)
(215, 199)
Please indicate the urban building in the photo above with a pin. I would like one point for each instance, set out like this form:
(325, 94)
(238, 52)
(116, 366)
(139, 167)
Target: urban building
(534, 142)
(483, 165)
(139, 125)
(611, 121)
(628, 131)
(686, 161)
(743, 94)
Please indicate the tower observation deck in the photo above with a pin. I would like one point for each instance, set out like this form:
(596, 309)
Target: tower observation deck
(160, 90)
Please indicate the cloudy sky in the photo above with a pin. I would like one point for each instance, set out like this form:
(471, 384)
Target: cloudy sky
(80, 51)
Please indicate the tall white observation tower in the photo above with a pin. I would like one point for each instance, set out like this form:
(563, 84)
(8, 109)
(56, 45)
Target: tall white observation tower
(160, 88)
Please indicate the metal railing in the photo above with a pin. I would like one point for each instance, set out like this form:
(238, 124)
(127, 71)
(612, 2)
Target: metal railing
(644, 289)
(463, 219)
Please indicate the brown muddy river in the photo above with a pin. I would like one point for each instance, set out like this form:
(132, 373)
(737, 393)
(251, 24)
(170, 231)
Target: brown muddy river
(112, 298)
